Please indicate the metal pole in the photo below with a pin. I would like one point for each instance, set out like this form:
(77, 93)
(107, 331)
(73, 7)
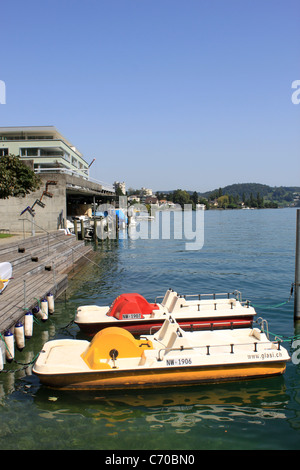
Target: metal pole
(82, 229)
(75, 229)
(297, 271)
(54, 276)
(95, 231)
(24, 294)
(32, 227)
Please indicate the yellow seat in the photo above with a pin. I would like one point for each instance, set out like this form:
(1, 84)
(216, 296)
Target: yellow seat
(114, 343)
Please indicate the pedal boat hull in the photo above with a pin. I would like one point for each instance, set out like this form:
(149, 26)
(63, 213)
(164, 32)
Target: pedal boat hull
(172, 357)
(135, 314)
(118, 380)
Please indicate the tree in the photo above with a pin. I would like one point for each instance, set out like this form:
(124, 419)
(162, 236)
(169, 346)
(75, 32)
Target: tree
(195, 197)
(223, 201)
(204, 201)
(119, 191)
(181, 197)
(16, 177)
(253, 202)
(260, 201)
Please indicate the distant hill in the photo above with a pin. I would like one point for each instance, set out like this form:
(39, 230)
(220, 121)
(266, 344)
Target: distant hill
(240, 189)
(281, 194)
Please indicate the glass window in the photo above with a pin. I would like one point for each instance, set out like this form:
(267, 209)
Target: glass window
(29, 152)
(32, 152)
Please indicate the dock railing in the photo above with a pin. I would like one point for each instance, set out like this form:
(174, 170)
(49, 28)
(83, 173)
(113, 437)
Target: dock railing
(54, 236)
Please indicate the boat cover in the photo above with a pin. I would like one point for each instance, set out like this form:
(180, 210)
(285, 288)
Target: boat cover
(130, 306)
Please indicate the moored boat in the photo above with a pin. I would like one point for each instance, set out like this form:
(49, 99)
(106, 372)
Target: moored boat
(114, 359)
(193, 312)
(5, 275)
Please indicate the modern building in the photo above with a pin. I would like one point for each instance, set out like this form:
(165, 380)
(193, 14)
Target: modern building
(121, 186)
(45, 146)
(146, 192)
(60, 166)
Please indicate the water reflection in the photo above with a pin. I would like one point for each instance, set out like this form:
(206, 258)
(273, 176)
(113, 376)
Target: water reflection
(122, 419)
(258, 398)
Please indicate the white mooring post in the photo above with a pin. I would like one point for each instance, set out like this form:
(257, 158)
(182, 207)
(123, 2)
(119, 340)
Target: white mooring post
(297, 271)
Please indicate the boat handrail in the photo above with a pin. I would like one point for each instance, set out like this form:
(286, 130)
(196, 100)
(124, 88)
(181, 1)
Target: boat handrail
(245, 303)
(263, 325)
(215, 304)
(231, 346)
(237, 295)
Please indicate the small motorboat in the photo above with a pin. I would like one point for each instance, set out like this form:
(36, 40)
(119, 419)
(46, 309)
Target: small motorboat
(114, 359)
(196, 312)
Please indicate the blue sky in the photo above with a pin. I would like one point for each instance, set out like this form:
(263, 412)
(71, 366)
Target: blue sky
(166, 94)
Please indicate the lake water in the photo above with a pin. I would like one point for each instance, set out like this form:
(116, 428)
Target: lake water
(252, 251)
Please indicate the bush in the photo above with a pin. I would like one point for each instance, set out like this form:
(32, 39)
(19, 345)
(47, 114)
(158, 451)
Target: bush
(16, 178)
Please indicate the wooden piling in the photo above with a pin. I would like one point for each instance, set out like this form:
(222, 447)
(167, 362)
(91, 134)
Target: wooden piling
(95, 231)
(82, 229)
(75, 229)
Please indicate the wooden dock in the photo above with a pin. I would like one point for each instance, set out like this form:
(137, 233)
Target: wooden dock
(40, 265)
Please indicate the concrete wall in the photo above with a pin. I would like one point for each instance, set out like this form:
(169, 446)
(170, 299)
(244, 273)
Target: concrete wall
(47, 217)
(89, 186)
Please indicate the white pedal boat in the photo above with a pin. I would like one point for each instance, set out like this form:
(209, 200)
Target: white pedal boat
(5, 275)
(196, 312)
(114, 359)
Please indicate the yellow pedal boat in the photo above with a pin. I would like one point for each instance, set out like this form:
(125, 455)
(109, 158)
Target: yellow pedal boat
(114, 359)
